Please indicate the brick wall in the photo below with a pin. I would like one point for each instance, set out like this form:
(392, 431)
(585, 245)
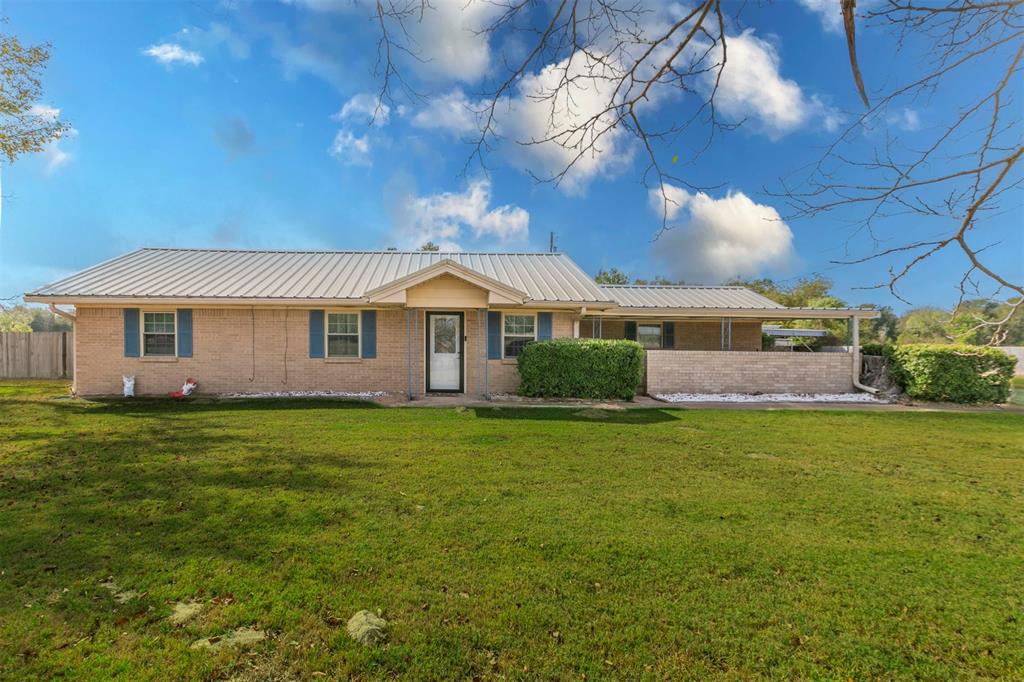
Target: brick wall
(228, 358)
(748, 372)
(691, 334)
(503, 375)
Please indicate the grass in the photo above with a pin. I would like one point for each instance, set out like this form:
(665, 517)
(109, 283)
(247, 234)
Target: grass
(1016, 391)
(523, 543)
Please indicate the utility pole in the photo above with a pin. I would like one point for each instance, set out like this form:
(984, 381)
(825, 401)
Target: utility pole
(552, 244)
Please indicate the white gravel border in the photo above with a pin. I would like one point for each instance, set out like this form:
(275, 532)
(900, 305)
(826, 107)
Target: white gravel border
(768, 398)
(307, 394)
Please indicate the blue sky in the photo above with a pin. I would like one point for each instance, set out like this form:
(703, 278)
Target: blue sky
(245, 125)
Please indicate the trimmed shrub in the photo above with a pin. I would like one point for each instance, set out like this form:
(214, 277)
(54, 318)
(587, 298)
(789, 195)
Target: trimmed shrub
(581, 368)
(954, 373)
(767, 341)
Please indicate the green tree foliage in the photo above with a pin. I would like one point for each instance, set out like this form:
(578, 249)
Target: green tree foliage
(975, 322)
(924, 325)
(25, 127)
(22, 318)
(799, 294)
(581, 368)
(658, 281)
(430, 246)
(611, 276)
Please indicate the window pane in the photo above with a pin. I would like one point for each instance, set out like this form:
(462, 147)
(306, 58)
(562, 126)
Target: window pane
(514, 344)
(519, 324)
(158, 323)
(158, 344)
(343, 346)
(445, 340)
(342, 323)
(649, 335)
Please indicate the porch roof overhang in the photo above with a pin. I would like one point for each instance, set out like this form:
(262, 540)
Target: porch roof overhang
(750, 313)
(497, 292)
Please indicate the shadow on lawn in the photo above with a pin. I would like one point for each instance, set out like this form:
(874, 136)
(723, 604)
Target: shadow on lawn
(153, 406)
(592, 415)
(87, 502)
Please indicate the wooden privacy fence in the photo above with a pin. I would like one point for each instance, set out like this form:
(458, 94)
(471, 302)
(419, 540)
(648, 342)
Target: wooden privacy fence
(37, 355)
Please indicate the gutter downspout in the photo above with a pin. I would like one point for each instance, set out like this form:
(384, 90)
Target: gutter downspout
(66, 315)
(855, 347)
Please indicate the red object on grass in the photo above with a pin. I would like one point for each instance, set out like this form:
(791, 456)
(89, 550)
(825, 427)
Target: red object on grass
(190, 385)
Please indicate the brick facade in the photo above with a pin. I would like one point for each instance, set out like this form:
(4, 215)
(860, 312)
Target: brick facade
(251, 350)
(748, 372)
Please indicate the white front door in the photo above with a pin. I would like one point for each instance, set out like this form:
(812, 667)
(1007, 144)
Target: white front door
(444, 346)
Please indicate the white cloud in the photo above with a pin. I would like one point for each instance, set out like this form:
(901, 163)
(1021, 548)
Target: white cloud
(446, 40)
(364, 106)
(450, 42)
(215, 36)
(713, 240)
(452, 111)
(753, 87)
(351, 149)
(905, 119)
(551, 113)
(451, 217)
(829, 12)
(170, 53)
(54, 156)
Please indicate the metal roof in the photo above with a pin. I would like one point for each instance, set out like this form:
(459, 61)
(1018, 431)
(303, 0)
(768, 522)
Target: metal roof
(315, 275)
(681, 296)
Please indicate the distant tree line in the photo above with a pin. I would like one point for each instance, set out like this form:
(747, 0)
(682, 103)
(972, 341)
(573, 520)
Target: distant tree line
(917, 325)
(23, 318)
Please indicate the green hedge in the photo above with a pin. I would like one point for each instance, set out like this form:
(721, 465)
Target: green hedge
(873, 348)
(581, 368)
(953, 373)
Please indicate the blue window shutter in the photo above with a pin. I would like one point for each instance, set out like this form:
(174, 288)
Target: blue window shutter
(543, 326)
(493, 335)
(131, 332)
(184, 332)
(368, 329)
(668, 335)
(316, 333)
(631, 331)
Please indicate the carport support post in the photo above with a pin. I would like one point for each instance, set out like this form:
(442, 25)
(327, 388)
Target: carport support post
(855, 346)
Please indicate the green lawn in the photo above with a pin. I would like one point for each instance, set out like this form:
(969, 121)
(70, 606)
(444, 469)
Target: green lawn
(1017, 391)
(514, 543)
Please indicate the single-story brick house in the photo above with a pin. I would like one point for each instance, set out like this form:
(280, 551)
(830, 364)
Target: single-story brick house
(407, 323)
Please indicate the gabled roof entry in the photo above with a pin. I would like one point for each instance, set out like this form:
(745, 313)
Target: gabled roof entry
(393, 292)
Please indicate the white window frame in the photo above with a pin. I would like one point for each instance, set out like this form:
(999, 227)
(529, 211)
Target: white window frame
(327, 334)
(503, 316)
(142, 333)
(661, 333)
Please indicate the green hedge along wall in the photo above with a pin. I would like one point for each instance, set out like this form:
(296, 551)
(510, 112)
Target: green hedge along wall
(953, 373)
(581, 368)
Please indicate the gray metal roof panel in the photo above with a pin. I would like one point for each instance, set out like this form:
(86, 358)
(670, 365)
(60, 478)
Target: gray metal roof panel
(682, 296)
(236, 274)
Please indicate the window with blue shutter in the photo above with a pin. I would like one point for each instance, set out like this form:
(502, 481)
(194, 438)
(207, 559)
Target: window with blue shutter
(184, 332)
(131, 332)
(543, 326)
(316, 333)
(493, 335)
(668, 335)
(368, 325)
(631, 331)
